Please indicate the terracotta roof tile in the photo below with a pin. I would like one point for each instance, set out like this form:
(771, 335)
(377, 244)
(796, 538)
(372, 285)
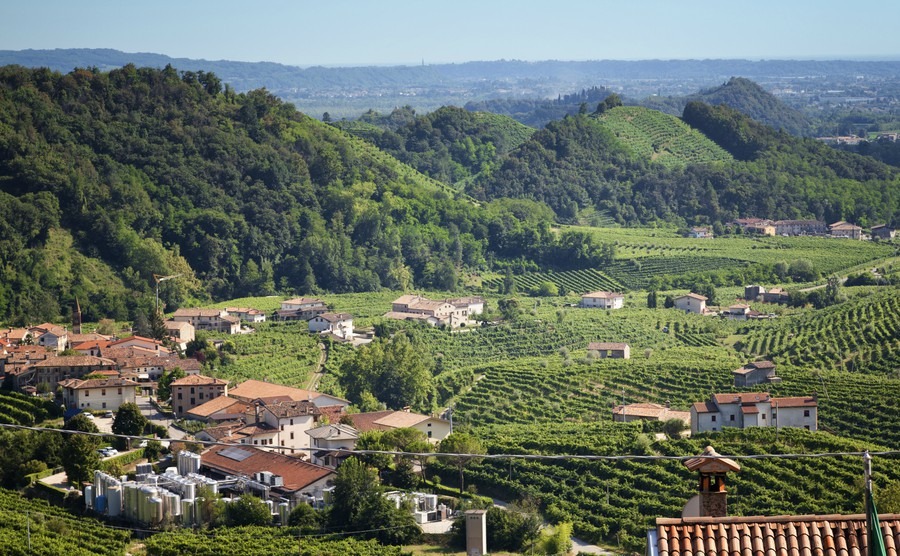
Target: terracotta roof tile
(603, 295)
(603, 346)
(219, 404)
(779, 535)
(250, 390)
(198, 380)
(297, 474)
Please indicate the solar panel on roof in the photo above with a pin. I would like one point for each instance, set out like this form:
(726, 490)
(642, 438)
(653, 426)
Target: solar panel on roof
(237, 454)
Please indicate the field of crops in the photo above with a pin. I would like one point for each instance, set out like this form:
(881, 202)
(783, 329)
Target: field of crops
(259, 541)
(577, 281)
(281, 352)
(18, 409)
(861, 335)
(53, 531)
(660, 137)
(636, 274)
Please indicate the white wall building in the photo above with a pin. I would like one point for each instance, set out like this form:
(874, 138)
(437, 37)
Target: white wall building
(603, 300)
(98, 394)
(754, 409)
(691, 303)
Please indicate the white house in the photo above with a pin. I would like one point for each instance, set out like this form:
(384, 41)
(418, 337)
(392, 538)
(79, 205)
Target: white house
(284, 424)
(702, 232)
(470, 306)
(216, 320)
(754, 409)
(435, 429)
(180, 332)
(94, 394)
(301, 308)
(691, 303)
(328, 440)
(194, 390)
(339, 324)
(50, 336)
(603, 300)
(738, 311)
(247, 314)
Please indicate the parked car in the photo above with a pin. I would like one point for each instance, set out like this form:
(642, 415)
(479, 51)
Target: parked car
(108, 415)
(143, 444)
(88, 415)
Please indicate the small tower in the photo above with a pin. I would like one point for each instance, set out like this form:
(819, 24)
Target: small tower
(76, 318)
(712, 468)
(476, 532)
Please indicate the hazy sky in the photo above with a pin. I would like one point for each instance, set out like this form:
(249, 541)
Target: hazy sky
(342, 32)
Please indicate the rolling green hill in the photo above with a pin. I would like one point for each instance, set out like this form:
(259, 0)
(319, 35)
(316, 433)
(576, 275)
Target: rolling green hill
(661, 138)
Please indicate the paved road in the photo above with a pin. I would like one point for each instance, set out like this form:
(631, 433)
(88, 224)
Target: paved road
(150, 412)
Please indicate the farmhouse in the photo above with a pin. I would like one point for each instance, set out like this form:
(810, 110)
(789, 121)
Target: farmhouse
(50, 336)
(691, 303)
(435, 313)
(339, 324)
(216, 320)
(107, 393)
(701, 232)
(246, 314)
(435, 429)
(180, 332)
(470, 306)
(193, 390)
(300, 308)
(754, 409)
(776, 295)
(738, 311)
(882, 231)
(757, 372)
(609, 350)
(752, 292)
(845, 230)
(603, 300)
(800, 228)
(648, 412)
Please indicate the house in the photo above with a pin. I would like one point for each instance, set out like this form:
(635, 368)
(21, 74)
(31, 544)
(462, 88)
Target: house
(776, 295)
(752, 293)
(288, 420)
(222, 408)
(420, 308)
(106, 393)
(691, 303)
(706, 528)
(50, 336)
(180, 332)
(757, 372)
(435, 429)
(800, 228)
(246, 314)
(605, 350)
(149, 344)
(215, 320)
(738, 311)
(17, 336)
(470, 306)
(300, 308)
(603, 300)
(193, 390)
(766, 229)
(648, 412)
(329, 440)
(339, 324)
(845, 230)
(287, 477)
(754, 409)
(701, 232)
(252, 390)
(53, 370)
(883, 231)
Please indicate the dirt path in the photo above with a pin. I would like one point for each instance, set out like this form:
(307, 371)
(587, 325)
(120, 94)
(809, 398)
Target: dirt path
(320, 370)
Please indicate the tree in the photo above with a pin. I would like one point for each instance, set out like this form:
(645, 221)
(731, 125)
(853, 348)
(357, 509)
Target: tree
(545, 289)
(247, 510)
(652, 299)
(509, 308)
(305, 517)
(560, 541)
(669, 302)
(509, 283)
(396, 371)
(463, 444)
(163, 387)
(79, 452)
(129, 421)
(359, 506)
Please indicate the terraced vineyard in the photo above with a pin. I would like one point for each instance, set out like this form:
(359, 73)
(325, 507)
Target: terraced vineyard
(281, 352)
(52, 530)
(578, 281)
(636, 274)
(18, 409)
(861, 335)
(660, 137)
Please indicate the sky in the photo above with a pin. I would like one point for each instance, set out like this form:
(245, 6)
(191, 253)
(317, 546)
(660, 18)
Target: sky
(386, 32)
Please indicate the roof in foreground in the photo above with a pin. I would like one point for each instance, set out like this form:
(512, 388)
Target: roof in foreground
(246, 460)
(254, 389)
(781, 535)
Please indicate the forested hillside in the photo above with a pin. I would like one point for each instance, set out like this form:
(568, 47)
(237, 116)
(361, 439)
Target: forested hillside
(155, 171)
(579, 163)
(449, 144)
(540, 112)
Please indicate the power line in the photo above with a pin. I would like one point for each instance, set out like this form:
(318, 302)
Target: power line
(550, 457)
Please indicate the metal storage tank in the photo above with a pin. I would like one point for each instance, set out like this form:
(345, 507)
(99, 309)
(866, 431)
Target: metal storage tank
(114, 501)
(189, 490)
(156, 511)
(187, 512)
(100, 504)
(284, 510)
(173, 504)
(89, 497)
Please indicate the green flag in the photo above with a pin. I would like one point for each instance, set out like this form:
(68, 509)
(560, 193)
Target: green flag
(873, 528)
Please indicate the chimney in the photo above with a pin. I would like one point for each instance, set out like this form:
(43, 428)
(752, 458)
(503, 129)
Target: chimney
(476, 532)
(712, 468)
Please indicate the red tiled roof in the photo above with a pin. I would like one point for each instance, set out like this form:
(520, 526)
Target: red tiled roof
(742, 398)
(705, 407)
(603, 295)
(77, 384)
(198, 380)
(603, 346)
(366, 421)
(762, 364)
(196, 312)
(250, 390)
(297, 474)
(219, 404)
(779, 535)
(332, 412)
(333, 317)
(75, 361)
(692, 296)
(801, 401)
(749, 409)
(283, 410)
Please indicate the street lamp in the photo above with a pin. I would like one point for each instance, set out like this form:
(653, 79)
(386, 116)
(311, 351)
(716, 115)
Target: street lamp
(159, 279)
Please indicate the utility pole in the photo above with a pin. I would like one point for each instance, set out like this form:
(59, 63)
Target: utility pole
(158, 278)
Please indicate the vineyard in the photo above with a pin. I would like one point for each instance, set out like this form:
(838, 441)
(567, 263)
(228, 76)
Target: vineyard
(636, 274)
(861, 335)
(18, 409)
(53, 531)
(259, 541)
(660, 137)
(578, 281)
(281, 352)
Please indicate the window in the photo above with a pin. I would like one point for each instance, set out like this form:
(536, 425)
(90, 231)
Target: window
(192, 389)
(292, 422)
(282, 442)
(713, 419)
(103, 391)
(763, 416)
(201, 395)
(120, 391)
(731, 418)
(806, 427)
(282, 427)
(429, 433)
(104, 405)
(179, 395)
(87, 393)
(292, 436)
(806, 413)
